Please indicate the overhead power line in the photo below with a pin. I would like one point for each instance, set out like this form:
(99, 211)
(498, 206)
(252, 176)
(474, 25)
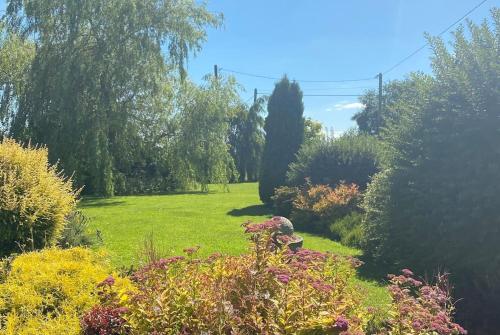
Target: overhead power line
(297, 80)
(320, 95)
(440, 34)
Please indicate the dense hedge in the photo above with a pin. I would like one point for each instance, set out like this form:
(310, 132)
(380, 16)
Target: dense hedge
(352, 158)
(34, 198)
(436, 204)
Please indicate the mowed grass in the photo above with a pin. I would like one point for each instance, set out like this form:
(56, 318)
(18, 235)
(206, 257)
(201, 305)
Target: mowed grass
(177, 221)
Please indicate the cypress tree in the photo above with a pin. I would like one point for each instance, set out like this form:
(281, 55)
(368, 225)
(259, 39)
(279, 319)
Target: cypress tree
(284, 127)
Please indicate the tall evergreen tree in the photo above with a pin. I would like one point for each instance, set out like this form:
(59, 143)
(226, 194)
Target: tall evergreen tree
(284, 127)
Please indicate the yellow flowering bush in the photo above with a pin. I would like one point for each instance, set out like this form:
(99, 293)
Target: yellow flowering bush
(34, 198)
(45, 292)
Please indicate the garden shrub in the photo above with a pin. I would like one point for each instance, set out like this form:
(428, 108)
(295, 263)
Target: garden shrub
(283, 199)
(352, 158)
(34, 198)
(45, 292)
(317, 206)
(349, 229)
(75, 232)
(421, 308)
(270, 290)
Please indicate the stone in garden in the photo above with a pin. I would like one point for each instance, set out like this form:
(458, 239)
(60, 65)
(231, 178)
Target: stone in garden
(285, 228)
(285, 225)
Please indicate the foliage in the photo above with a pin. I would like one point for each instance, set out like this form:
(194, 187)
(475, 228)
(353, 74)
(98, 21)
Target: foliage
(352, 158)
(436, 203)
(34, 198)
(283, 199)
(313, 130)
(267, 291)
(349, 229)
(95, 82)
(398, 97)
(45, 292)
(246, 139)
(201, 146)
(284, 127)
(76, 232)
(420, 308)
(16, 56)
(317, 206)
(104, 320)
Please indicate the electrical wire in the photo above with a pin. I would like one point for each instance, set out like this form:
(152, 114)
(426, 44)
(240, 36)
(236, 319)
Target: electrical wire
(297, 80)
(359, 79)
(440, 34)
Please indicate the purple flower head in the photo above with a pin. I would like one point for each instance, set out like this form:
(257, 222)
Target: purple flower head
(109, 281)
(407, 272)
(269, 225)
(283, 278)
(341, 324)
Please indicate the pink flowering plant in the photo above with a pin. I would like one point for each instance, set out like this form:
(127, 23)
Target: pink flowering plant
(421, 308)
(269, 290)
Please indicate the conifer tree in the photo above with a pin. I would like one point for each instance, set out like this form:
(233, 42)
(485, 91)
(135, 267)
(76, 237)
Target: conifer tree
(284, 127)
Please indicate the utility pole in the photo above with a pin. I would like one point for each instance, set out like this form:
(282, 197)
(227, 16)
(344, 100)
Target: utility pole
(216, 72)
(254, 95)
(379, 99)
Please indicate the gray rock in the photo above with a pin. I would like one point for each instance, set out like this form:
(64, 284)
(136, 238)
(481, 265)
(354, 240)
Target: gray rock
(286, 226)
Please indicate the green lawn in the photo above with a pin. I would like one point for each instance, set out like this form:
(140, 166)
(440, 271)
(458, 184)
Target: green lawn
(212, 221)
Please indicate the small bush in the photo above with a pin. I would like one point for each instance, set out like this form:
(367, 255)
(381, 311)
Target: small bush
(34, 198)
(317, 206)
(349, 229)
(283, 199)
(45, 292)
(104, 320)
(352, 158)
(420, 308)
(75, 233)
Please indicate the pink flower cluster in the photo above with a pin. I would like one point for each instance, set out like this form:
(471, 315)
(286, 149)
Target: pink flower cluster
(104, 320)
(423, 307)
(270, 226)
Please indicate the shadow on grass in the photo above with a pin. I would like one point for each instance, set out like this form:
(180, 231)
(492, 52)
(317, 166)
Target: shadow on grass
(254, 210)
(99, 203)
(372, 271)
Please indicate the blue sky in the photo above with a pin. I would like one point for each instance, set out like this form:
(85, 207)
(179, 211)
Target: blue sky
(326, 40)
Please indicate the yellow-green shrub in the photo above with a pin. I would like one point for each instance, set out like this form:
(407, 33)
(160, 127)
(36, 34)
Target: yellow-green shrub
(45, 292)
(34, 198)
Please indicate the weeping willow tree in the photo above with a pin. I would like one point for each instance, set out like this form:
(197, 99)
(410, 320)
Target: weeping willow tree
(201, 149)
(100, 67)
(16, 56)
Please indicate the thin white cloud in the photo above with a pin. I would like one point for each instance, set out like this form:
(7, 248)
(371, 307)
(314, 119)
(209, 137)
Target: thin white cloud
(346, 106)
